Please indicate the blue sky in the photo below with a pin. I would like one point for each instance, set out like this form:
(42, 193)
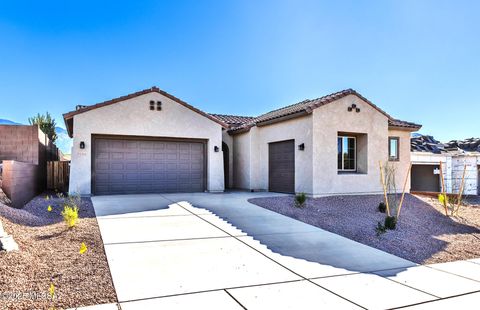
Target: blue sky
(418, 60)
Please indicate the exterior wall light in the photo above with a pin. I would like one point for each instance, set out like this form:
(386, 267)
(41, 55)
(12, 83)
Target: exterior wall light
(216, 149)
(301, 147)
(82, 145)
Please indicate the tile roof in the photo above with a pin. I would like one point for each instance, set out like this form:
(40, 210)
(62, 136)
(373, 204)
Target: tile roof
(398, 123)
(234, 120)
(307, 106)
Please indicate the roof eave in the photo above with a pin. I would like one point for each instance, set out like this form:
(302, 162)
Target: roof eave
(405, 128)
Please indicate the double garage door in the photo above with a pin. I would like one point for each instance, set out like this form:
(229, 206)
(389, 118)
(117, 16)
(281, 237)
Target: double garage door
(136, 166)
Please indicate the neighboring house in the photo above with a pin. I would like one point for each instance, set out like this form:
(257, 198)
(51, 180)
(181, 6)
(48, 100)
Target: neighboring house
(428, 153)
(24, 151)
(151, 141)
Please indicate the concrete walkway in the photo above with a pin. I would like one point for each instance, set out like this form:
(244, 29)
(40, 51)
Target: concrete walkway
(217, 251)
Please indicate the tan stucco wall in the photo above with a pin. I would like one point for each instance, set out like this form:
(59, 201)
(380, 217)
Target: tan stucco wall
(241, 160)
(316, 172)
(403, 164)
(299, 130)
(133, 117)
(228, 140)
(333, 118)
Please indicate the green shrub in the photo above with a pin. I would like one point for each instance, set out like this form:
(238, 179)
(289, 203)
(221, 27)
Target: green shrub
(70, 215)
(382, 207)
(300, 200)
(380, 229)
(390, 222)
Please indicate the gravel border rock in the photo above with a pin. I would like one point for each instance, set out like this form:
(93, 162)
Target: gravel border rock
(49, 253)
(424, 235)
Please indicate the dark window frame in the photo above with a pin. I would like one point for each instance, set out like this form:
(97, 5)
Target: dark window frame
(397, 155)
(342, 169)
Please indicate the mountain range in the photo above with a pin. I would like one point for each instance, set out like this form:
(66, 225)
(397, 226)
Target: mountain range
(64, 142)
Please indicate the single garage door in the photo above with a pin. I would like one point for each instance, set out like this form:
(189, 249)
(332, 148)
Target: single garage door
(281, 166)
(134, 166)
(423, 178)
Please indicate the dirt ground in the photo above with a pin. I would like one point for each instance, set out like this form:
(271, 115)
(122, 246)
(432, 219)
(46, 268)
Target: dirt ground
(423, 235)
(49, 254)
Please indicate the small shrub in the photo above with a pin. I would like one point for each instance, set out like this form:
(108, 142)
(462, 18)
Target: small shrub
(382, 207)
(70, 215)
(300, 200)
(380, 229)
(390, 222)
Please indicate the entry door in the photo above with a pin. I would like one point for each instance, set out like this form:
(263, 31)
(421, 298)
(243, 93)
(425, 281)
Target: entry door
(281, 166)
(133, 166)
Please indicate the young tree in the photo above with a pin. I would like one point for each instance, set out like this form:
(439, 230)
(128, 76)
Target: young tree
(46, 123)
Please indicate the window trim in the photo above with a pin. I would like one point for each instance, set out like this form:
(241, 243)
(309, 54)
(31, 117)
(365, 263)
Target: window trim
(397, 157)
(342, 170)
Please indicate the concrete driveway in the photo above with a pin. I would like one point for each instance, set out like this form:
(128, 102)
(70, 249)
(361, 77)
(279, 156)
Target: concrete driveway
(217, 251)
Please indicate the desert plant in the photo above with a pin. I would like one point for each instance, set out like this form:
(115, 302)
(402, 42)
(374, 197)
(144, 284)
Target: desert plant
(71, 200)
(390, 222)
(382, 207)
(46, 123)
(392, 205)
(452, 202)
(70, 215)
(380, 229)
(300, 200)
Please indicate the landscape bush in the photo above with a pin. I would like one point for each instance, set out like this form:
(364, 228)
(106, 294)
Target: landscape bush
(382, 207)
(300, 200)
(380, 229)
(390, 222)
(70, 215)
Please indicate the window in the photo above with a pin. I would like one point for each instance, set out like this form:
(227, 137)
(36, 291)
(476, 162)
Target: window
(347, 153)
(393, 144)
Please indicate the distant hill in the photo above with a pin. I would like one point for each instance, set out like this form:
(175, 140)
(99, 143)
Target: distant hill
(64, 142)
(7, 122)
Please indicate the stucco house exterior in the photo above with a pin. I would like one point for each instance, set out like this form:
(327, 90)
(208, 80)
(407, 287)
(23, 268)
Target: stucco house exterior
(151, 141)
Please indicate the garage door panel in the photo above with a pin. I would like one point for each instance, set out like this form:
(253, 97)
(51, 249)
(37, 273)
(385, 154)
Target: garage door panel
(281, 166)
(146, 156)
(125, 166)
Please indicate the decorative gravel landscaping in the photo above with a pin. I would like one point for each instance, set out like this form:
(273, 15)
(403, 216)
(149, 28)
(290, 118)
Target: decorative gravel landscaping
(424, 234)
(50, 254)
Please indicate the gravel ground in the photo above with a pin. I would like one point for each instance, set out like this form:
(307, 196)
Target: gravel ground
(49, 253)
(424, 235)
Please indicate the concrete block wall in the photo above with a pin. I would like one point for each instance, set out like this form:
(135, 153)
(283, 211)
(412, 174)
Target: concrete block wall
(24, 150)
(20, 143)
(20, 181)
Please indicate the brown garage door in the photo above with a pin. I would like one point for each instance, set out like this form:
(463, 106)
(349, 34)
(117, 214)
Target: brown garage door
(423, 178)
(131, 166)
(281, 166)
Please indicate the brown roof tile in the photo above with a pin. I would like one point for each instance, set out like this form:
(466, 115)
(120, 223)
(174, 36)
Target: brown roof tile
(233, 120)
(308, 105)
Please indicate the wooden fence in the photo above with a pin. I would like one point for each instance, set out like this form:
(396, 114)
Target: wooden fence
(58, 175)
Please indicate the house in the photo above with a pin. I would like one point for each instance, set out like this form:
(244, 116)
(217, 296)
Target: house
(151, 141)
(24, 152)
(427, 156)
